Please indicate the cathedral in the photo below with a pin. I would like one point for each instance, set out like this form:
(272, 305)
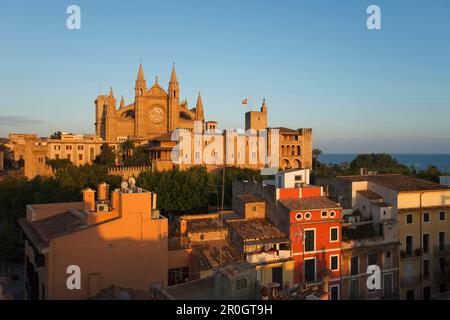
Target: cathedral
(153, 113)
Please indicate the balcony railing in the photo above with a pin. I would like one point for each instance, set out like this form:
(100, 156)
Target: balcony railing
(409, 254)
(442, 249)
(268, 256)
(406, 281)
(442, 275)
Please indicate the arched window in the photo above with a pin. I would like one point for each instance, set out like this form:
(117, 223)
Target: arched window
(283, 150)
(298, 150)
(174, 94)
(293, 151)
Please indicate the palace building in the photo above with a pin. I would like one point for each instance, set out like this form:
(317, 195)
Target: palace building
(150, 120)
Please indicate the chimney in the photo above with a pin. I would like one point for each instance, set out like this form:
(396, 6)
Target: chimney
(115, 199)
(153, 201)
(103, 189)
(89, 200)
(183, 227)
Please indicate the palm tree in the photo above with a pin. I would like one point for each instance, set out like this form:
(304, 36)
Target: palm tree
(316, 153)
(127, 147)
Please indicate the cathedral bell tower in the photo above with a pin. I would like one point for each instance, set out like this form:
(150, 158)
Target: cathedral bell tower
(139, 89)
(174, 101)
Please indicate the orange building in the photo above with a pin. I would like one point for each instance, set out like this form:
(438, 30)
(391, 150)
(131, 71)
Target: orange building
(74, 250)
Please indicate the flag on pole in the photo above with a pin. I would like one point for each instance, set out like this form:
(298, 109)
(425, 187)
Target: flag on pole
(244, 101)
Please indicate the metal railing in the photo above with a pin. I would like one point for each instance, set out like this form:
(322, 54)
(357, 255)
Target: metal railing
(442, 249)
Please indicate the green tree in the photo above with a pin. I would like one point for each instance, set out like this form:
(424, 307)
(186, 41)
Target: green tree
(8, 240)
(138, 158)
(107, 156)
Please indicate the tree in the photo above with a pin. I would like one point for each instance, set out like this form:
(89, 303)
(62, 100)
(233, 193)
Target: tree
(8, 240)
(138, 158)
(316, 153)
(379, 162)
(56, 135)
(107, 156)
(127, 148)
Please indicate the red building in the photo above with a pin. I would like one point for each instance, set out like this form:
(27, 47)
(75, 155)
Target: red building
(314, 228)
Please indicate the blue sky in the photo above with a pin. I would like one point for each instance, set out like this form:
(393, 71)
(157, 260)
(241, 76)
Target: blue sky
(315, 62)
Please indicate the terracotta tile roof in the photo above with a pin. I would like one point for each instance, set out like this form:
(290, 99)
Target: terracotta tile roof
(313, 203)
(235, 268)
(370, 195)
(255, 230)
(204, 225)
(212, 254)
(41, 232)
(398, 182)
(246, 197)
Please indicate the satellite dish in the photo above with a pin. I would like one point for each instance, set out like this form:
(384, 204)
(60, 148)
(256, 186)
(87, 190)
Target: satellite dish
(132, 181)
(124, 185)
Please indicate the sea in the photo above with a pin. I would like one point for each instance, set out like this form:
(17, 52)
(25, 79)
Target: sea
(419, 161)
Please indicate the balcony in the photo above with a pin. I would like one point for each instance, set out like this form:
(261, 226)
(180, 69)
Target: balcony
(408, 281)
(442, 276)
(442, 250)
(269, 256)
(410, 254)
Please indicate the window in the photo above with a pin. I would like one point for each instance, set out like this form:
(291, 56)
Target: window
(354, 265)
(334, 292)
(178, 275)
(409, 245)
(354, 289)
(69, 156)
(56, 156)
(68, 147)
(57, 147)
(324, 214)
(388, 285)
(241, 284)
(298, 178)
(410, 294)
(253, 208)
(80, 148)
(332, 214)
(307, 215)
(310, 270)
(426, 217)
(426, 269)
(442, 216)
(334, 263)
(426, 293)
(202, 237)
(441, 240)
(310, 241)
(426, 243)
(334, 237)
(80, 157)
(372, 259)
(409, 218)
(299, 216)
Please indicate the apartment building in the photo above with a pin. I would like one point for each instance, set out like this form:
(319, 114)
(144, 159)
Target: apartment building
(101, 241)
(421, 211)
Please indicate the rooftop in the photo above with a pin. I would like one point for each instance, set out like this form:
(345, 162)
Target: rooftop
(213, 254)
(313, 203)
(398, 182)
(41, 232)
(204, 225)
(370, 195)
(246, 197)
(257, 230)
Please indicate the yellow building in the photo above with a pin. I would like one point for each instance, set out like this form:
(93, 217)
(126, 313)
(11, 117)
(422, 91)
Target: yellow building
(421, 210)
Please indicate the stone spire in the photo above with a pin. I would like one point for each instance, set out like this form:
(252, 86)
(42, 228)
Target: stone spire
(140, 76)
(111, 92)
(173, 76)
(122, 103)
(140, 86)
(199, 114)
